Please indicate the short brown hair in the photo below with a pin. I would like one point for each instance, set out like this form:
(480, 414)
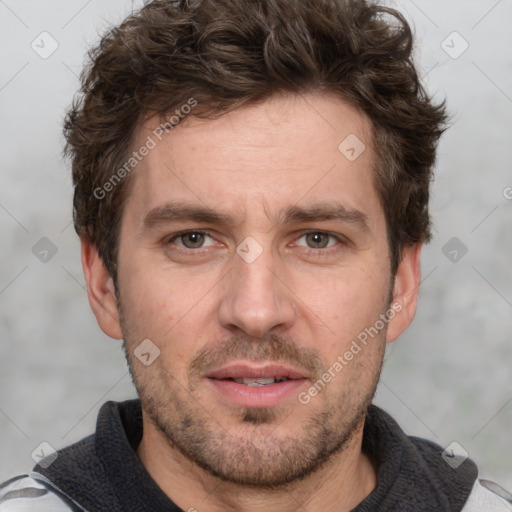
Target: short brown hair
(228, 53)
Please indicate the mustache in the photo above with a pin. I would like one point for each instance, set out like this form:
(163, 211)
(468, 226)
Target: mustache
(271, 347)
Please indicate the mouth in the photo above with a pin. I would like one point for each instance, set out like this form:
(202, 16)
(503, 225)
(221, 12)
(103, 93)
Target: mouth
(260, 381)
(253, 385)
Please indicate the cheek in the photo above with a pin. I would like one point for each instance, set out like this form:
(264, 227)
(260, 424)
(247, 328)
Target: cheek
(340, 307)
(150, 310)
(170, 309)
(350, 294)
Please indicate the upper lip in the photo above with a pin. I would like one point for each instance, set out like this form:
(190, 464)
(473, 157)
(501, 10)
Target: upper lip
(255, 371)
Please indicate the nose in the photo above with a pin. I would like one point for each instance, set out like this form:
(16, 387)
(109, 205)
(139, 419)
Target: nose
(256, 298)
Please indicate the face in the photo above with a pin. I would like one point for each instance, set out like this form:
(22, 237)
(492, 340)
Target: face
(253, 254)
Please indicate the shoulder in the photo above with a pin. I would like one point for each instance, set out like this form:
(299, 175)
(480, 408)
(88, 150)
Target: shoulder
(23, 494)
(487, 496)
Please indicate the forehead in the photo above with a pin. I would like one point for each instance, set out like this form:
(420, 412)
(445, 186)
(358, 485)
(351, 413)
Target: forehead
(258, 160)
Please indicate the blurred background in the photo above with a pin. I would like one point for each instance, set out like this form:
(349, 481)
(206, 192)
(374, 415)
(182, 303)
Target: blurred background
(448, 378)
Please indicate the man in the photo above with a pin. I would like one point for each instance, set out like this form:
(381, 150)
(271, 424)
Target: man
(251, 195)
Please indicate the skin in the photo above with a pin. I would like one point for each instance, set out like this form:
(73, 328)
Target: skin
(302, 301)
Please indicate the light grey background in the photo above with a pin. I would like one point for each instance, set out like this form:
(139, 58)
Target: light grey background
(448, 378)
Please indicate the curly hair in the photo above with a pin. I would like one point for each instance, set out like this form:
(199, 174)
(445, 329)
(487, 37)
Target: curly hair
(227, 53)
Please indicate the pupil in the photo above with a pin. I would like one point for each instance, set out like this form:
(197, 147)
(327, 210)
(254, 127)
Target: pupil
(193, 240)
(317, 240)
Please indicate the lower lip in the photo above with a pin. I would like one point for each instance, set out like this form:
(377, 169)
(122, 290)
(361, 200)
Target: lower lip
(257, 396)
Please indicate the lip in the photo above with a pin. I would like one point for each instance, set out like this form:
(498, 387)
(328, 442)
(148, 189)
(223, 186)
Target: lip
(253, 371)
(242, 395)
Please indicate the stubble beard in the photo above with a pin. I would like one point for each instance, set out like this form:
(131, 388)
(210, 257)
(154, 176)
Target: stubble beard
(252, 459)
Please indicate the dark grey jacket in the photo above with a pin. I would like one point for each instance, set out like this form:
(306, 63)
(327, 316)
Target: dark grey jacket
(103, 473)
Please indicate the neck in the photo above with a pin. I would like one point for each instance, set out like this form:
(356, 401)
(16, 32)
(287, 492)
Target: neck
(340, 484)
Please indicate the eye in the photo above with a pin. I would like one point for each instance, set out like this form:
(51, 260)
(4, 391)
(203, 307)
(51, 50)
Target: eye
(192, 240)
(318, 240)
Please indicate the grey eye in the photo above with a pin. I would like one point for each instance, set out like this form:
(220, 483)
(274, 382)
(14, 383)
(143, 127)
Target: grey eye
(317, 240)
(192, 240)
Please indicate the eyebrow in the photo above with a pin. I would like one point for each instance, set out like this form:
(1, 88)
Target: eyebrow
(326, 211)
(176, 212)
(179, 212)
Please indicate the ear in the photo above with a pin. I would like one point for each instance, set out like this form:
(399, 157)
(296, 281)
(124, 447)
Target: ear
(100, 290)
(405, 292)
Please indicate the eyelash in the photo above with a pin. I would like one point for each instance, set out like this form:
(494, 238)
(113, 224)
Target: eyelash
(174, 237)
(341, 241)
(322, 252)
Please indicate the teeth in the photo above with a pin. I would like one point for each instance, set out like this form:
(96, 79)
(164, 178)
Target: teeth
(260, 381)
